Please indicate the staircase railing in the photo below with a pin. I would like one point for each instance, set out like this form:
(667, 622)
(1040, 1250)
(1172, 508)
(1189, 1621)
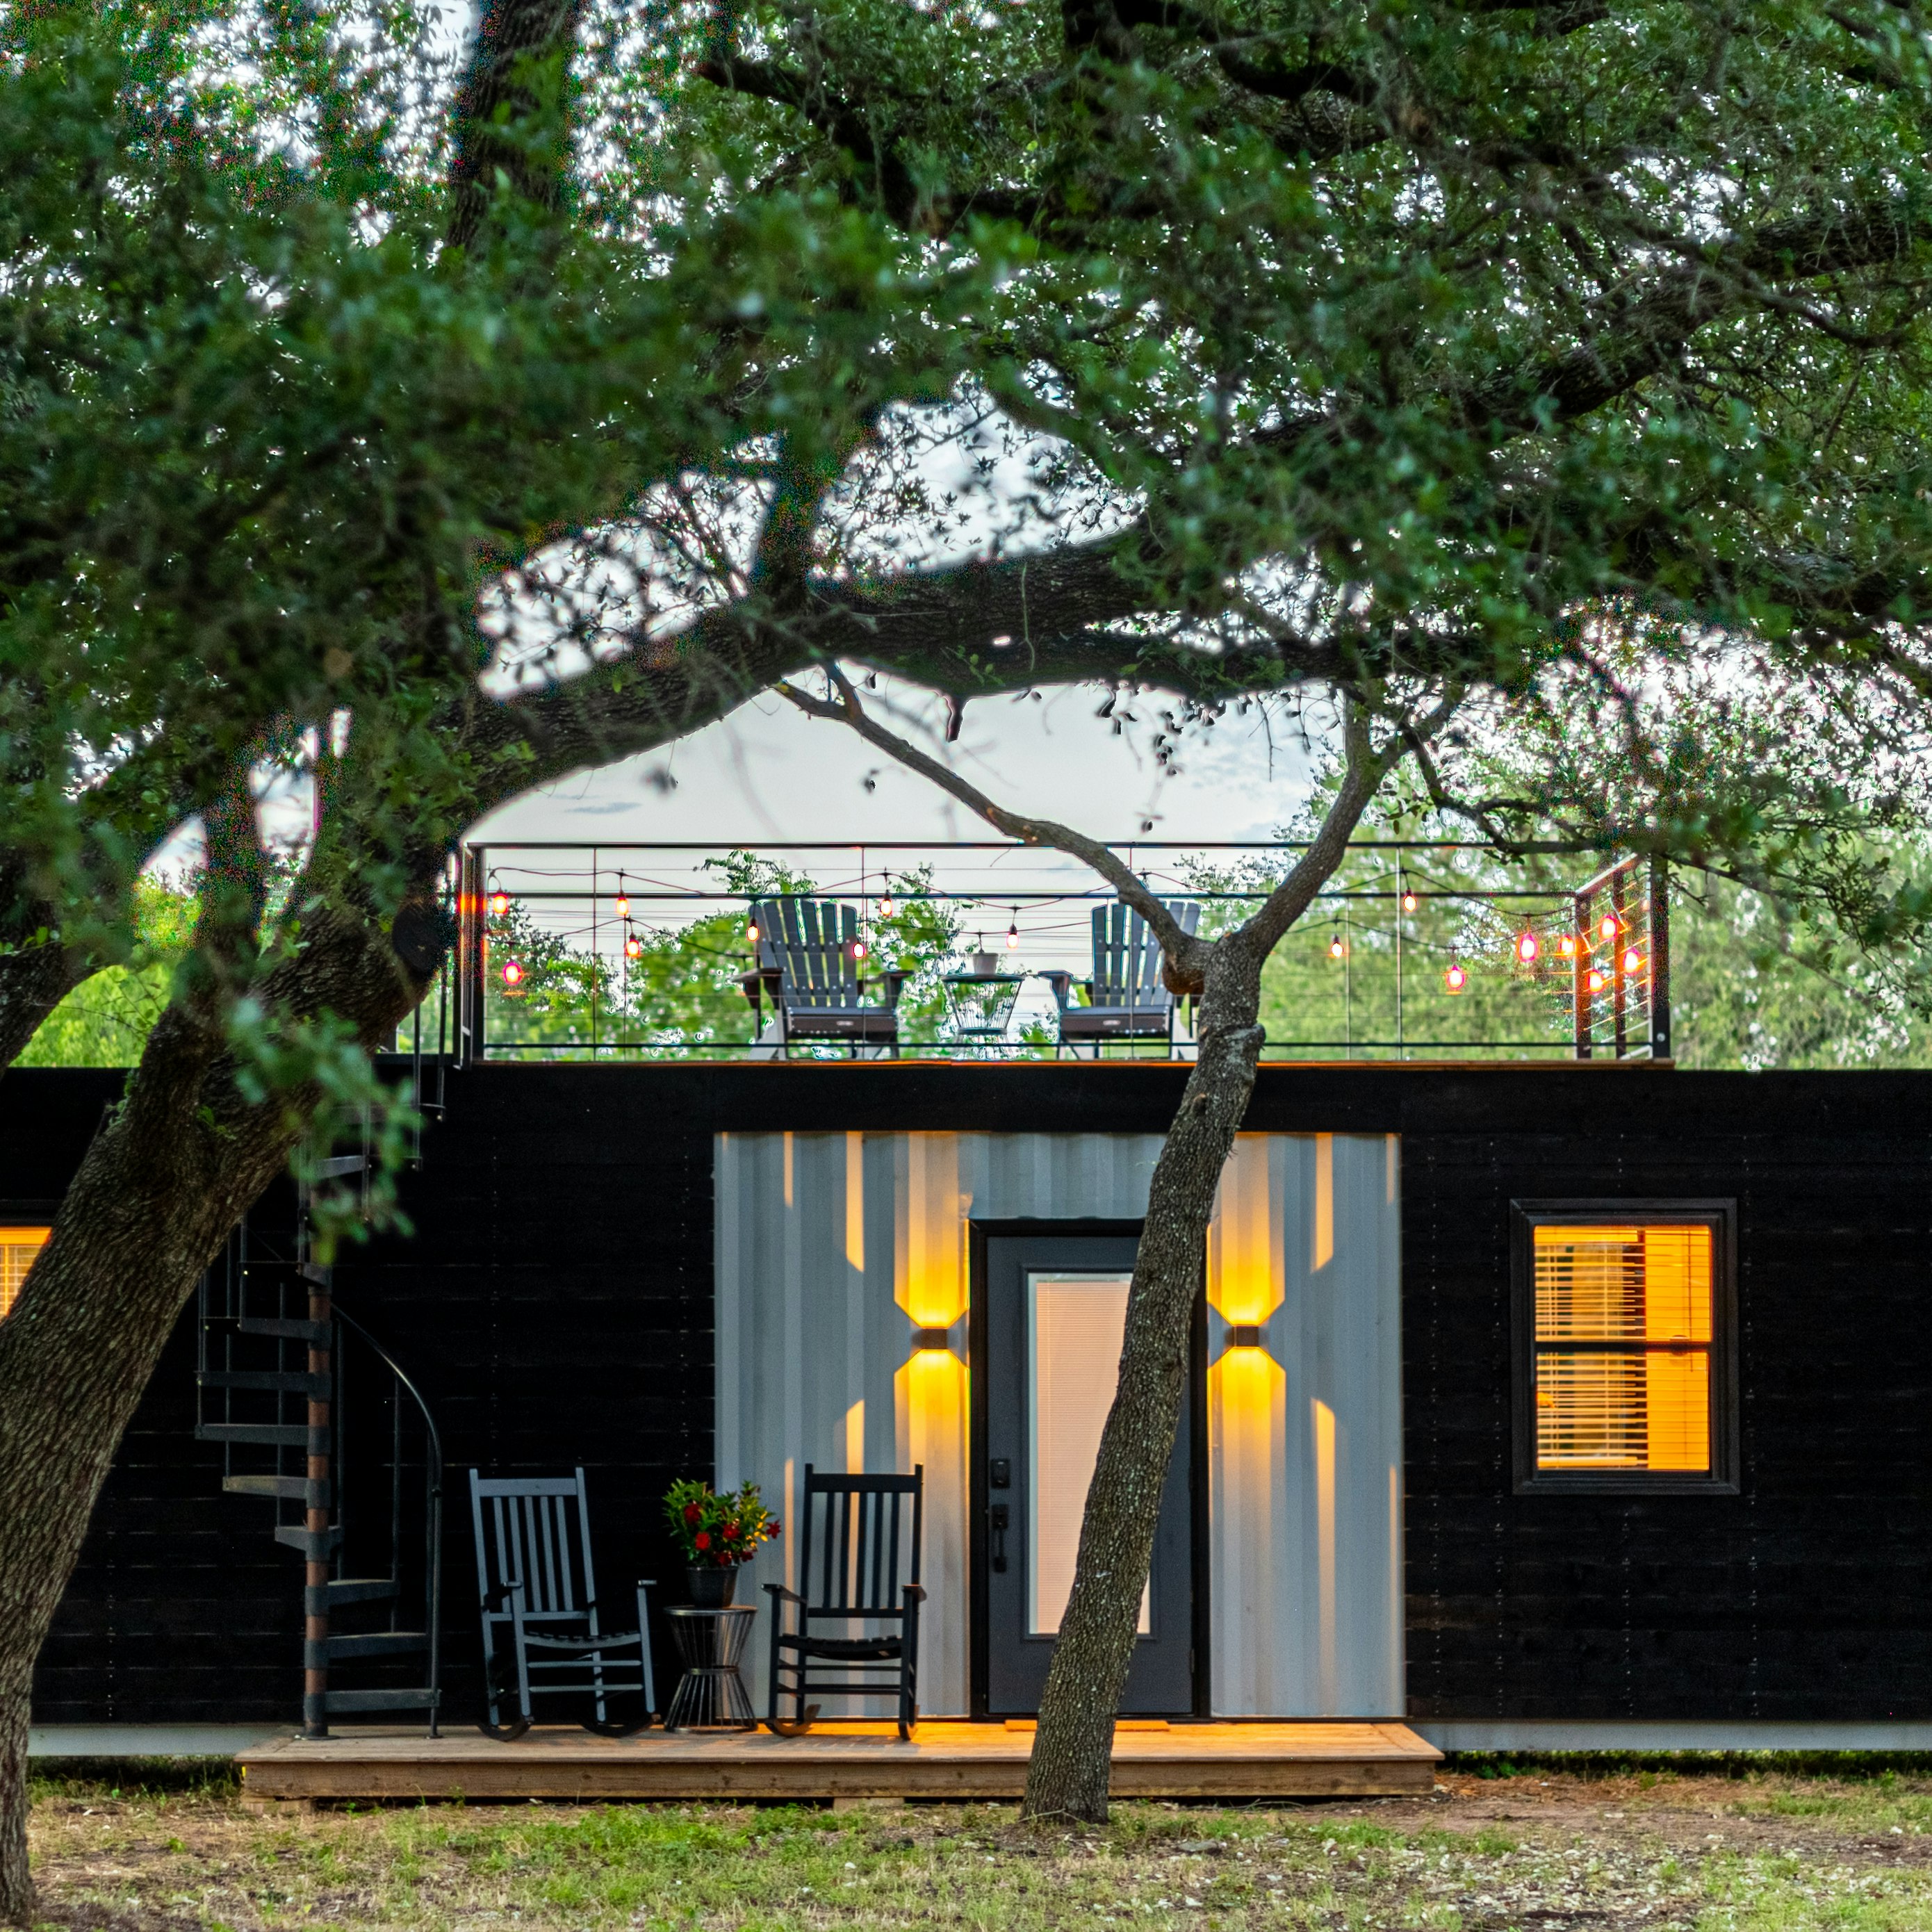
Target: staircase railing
(272, 1361)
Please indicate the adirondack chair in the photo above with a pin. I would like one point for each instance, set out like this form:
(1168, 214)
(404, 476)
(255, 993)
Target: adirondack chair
(1125, 998)
(539, 1595)
(809, 966)
(853, 1538)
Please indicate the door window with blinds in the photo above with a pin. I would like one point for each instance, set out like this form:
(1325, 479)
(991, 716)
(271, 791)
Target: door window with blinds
(1624, 1346)
(18, 1247)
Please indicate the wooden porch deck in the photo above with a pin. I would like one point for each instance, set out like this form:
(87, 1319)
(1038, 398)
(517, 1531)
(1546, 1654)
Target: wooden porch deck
(945, 1760)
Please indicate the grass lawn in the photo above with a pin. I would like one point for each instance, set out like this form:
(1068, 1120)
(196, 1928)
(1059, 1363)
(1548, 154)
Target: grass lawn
(1545, 1847)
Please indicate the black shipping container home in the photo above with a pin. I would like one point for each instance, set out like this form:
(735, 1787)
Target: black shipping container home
(1537, 1404)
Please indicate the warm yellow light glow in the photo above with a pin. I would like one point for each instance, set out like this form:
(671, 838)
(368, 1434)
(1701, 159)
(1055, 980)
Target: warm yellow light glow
(1456, 978)
(1324, 1249)
(18, 1247)
(500, 903)
(1244, 1284)
(1608, 925)
(1527, 948)
(1321, 1418)
(1632, 961)
(623, 905)
(855, 1202)
(1646, 1404)
(1566, 946)
(855, 1439)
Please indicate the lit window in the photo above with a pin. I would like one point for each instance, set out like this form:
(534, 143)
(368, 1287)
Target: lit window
(1626, 1375)
(18, 1247)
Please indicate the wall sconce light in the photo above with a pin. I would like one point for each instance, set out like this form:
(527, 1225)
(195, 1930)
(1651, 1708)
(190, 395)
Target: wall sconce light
(940, 1339)
(1245, 1335)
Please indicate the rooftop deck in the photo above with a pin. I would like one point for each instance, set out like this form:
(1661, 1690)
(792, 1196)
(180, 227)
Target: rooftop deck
(942, 1760)
(1414, 951)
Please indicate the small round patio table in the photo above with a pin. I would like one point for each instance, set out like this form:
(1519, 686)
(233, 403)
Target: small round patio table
(711, 1695)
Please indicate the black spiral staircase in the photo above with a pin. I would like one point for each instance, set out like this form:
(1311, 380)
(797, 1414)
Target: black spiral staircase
(289, 1384)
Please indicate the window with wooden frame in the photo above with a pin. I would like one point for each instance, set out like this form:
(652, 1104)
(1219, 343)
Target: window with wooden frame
(18, 1247)
(1625, 1351)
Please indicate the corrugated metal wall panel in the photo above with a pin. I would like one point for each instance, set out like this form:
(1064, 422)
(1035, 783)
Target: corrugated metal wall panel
(832, 1247)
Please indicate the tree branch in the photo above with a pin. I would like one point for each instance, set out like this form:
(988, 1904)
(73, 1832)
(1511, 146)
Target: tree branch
(1179, 947)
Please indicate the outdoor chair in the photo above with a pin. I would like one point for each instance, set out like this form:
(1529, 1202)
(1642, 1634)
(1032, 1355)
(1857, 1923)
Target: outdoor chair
(539, 1595)
(809, 966)
(1125, 998)
(854, 1536)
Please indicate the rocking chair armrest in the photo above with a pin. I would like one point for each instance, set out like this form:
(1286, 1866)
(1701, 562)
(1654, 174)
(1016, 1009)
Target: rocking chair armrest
(914, 1593)
(1062, 985)
(891, 980)
(779, 1590)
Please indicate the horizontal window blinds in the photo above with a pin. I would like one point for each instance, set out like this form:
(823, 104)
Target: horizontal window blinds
(1623, 1347)
(18, 1247)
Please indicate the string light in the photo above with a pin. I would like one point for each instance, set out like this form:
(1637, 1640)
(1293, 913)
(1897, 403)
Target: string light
(1335, 945)
(623, 905)
(634, 946)
(1527, 948)
(1608, 925)
(1013, 932)
(1566, 946)
(1593, 981)
(513, 976)
(1408, 899)
(500, 903)
(1632, 961)
(1456, 977)
(752, 932)
(886, 907)
(858, 949)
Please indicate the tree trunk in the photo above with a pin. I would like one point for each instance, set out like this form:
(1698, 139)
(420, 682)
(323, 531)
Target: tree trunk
(176, 1166)
(1067, 1777)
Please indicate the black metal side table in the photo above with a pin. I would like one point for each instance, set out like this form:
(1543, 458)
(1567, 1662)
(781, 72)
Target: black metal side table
(711, 1695)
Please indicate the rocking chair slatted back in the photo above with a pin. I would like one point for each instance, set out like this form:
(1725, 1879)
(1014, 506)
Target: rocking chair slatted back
(811, 942)
(534, 1521)
(854, 1526)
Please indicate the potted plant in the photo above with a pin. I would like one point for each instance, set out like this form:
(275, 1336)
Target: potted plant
(717, 1533)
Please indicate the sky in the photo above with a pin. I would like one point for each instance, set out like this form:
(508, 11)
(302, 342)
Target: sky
(768, 772)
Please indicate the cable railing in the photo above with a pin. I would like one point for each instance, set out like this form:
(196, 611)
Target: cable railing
(1414, 949)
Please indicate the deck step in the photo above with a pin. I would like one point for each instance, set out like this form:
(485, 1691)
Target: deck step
(337, 1166)
(285, 1327)
(263, 1435)
(286, 1488)
(420, 1699)
(284, 1382)
(376, 1643)
(315, 1544)
(351, 1590)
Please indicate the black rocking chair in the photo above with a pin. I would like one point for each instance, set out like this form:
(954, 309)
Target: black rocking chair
(809, 964)
(530, 1558)
(853, 1542)
(1125, 998)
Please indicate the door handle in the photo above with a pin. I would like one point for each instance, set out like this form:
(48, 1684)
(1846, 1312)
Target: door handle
(997, 1519)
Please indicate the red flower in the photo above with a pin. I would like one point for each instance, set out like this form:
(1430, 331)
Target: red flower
(731, 1532)
(691, 1512)
(703, 1539)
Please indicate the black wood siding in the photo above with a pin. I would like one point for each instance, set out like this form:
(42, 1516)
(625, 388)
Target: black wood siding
(555, 1304)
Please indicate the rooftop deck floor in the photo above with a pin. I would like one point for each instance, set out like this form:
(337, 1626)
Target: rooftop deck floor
(944, 1760)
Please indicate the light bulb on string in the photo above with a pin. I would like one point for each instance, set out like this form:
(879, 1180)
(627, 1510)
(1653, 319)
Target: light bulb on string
(1013, 932)
(513, 976)
(1409, 901)
(1632, 961)
(1335, 947)
(1527, 948)
(886, 906)
(752, 932)
(1593, 981)
(634, 946)
(500, 903)
(1456, 977)
(1566, 946)
(623, 906)
(1607, 925)
(858, 949)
